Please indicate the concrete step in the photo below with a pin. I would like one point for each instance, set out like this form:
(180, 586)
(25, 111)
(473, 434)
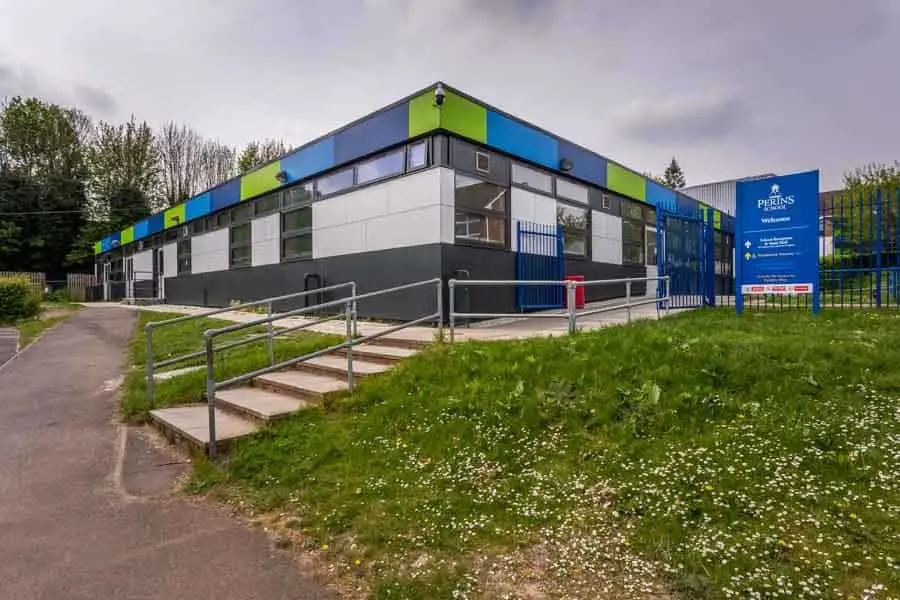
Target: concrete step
(399, 340)
(336, 366)
(380, 354)
(166, 375)
(189, 425)
(259, 404)
(302, 384)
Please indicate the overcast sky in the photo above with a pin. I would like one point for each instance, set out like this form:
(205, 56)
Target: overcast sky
(730, 88)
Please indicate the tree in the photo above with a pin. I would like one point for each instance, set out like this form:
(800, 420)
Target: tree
(122, 157)
(256, 154)
(217, 164)
(179, 148)
(673, 176)
(856, 212)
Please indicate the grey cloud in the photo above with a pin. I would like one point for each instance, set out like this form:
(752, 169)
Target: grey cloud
(94, 100)
(686, 120)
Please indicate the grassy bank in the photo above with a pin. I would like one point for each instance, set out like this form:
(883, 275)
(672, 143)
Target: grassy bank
(51, 315)
(183, 338)
(704, 456)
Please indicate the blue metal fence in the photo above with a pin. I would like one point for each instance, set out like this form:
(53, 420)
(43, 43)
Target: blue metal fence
(686, 254)
(539, 257)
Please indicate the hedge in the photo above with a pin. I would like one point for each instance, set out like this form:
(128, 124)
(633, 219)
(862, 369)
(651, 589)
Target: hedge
(17, 300)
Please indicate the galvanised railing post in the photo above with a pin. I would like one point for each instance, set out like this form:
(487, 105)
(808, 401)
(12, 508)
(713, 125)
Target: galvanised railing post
(668, 289)
(628, 301)
(439, 288)
(211, 394)
(151, 384)
(570, 305)
(349, 313)
(355, 310)
(271, 334)
(879, 247)
(451, 289)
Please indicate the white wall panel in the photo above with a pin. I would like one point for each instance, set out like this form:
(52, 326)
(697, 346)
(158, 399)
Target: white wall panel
(143, 265)
(606, 238)
(209, 252)
(529, 207)
(266, 240)
(170, 260)
(397, 213)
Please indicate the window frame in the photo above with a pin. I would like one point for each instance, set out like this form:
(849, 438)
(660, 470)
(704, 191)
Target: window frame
(183, 256)
(481, 213)
(290, 234)
(487, 158)
(551, 180)
(586, 230)
(348, 169)
(274, 197)
(409, 167)
(401, 152)
(232, 246)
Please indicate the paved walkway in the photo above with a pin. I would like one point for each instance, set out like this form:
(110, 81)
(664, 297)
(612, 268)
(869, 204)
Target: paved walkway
(496, 329)
(87, 511)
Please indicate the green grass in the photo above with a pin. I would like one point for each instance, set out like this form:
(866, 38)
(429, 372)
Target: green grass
(704, 456)
(183, 338)
(31, 329)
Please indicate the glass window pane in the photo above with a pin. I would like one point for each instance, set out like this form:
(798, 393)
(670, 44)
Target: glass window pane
(240, 213)
(240, 234)
(632, 232)
(297, 195)
(537, 180)
(336, 182)
(574, 222)
(297, 219)
(266, 204)
(632, 210)
(299, 246)
(480, 228)
(479, 195)
(418, 155)
(633, 254)
(571, 190)
(240, 256)
(380, 167)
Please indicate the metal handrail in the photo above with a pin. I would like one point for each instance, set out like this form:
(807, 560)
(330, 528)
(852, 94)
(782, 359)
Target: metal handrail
(349, 314)
(571, 313)
(270, 334)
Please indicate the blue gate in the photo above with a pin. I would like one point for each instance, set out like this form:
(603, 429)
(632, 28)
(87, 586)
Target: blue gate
(686, 254)
(539, 257)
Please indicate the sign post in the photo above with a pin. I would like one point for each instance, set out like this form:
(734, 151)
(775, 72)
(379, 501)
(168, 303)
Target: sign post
(777, 241)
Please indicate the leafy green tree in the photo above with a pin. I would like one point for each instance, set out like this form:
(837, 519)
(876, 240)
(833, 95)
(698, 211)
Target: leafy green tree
(256, 154)
(123, 157)
(856, 213)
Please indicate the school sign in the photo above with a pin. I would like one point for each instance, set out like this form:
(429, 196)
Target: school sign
(777, 239)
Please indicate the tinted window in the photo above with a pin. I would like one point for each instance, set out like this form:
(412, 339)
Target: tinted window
(479, 195)
(380, 167)
(336, 182)
(300, 194)
(240, 213)
(570, 190)
(298, 219)
(297, 247)
(240, 234)
(536, 180)
(480, 228)
(266, 204)
(574, 222)
(418, 156)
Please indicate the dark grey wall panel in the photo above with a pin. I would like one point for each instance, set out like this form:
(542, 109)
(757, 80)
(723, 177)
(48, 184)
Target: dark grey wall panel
(370, 270)
(594, 271)
(462, 158)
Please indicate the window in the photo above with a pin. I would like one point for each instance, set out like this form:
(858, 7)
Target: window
(480, 211)
(296, 233)
(240, 246)
(632, 210)
(266, 205)
(240, 214)
(632, 233)
(570, 190)
(336, 182)
(605, 201)
(530, 178)
(651, 246)
(198, 226)
(418, 156)
(482, 162)
(223, 219)
(574, 223)
(298, 195)
(184, 256)
(170, 235)
(380, 167)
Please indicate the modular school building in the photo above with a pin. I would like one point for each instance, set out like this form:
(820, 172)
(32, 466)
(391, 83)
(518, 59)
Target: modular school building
(436, 185)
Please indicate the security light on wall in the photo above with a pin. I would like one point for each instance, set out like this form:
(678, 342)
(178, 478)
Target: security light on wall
(439, 95)
(281, 176)
(565, 165)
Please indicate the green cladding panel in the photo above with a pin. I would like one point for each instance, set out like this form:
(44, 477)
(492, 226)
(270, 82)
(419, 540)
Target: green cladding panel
(98, 247)
(621, 180)
(464, 117)
(174, 216)
(424, 116)
(127, 235)
(260, 181)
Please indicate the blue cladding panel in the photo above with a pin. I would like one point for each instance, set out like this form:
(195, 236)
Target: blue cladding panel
(687, 206)
(310, 160)
(661, 197)
(377, 132)
(141, 229)
(198, 207)
(106, 244)
(585, 165)
(521, 140)
(225, 195)
(155, 223)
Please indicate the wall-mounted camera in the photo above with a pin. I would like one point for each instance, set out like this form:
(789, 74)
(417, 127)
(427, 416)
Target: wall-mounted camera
(439, 95)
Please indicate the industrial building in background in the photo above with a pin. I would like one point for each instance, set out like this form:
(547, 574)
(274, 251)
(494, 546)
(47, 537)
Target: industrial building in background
(438, 184)
(720, 195)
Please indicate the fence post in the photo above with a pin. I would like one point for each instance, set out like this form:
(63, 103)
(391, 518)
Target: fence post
(879, 247)
(570, 306)
(151, 383)
(440, 309)
(271, 334)
(355, 309)
(451, 288)
(349, 313)
(668, 294)
(211, 394)
(628, 301)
